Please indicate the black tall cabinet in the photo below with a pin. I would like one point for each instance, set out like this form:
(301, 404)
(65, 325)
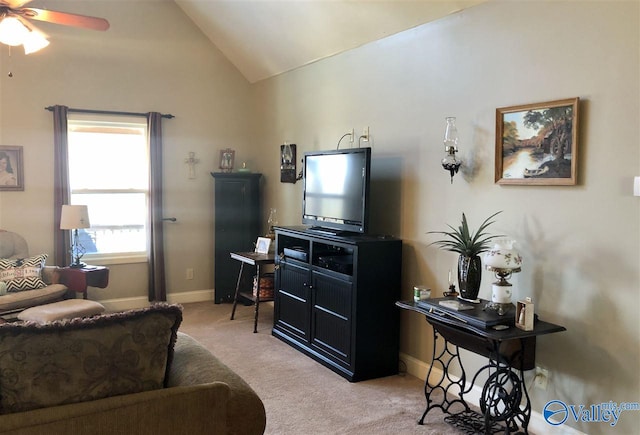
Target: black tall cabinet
(237, 226)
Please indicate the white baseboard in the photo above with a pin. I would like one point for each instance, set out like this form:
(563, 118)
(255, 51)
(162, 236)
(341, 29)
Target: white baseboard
(192, 296)
(122, 304)
(537, 424)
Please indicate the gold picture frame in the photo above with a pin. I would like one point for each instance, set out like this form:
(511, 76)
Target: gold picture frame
(227, 157)
(537, 143)
(11, 168)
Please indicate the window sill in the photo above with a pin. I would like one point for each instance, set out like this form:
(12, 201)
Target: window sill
(108, 260)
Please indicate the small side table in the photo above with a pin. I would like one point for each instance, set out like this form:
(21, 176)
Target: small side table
(504, 404)
(257, 260)
(77, 279)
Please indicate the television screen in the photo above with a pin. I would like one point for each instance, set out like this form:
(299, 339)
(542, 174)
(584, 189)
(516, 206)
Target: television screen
(336, 189)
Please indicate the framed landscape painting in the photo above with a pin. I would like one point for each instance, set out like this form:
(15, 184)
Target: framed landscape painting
(11, 168)
(537, 143)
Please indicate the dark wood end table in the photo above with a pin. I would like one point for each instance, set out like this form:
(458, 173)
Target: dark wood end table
(77, 279)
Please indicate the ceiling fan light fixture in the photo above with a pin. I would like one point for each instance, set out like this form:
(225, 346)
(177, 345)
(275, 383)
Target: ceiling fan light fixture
(16, 28)
(33, 42)
(12, 31)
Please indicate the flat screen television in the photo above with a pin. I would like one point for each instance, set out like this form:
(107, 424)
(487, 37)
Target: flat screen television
(336, 190)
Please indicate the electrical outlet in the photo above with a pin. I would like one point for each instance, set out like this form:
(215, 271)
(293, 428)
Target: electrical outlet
(189, 273)
(365, 134)
(352, 134)
(542, 378)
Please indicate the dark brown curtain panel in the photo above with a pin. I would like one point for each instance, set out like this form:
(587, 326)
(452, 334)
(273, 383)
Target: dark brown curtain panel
(61, 193)
(157, 286)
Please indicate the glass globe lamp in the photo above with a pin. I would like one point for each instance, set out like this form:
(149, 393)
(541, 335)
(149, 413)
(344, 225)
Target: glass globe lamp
(450, 162)
(503, 260)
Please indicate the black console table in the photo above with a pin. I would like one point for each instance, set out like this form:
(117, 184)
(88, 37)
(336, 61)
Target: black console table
(504, 402)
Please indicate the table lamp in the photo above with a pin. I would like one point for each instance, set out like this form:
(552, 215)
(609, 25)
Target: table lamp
(74, 217)
(503, 260)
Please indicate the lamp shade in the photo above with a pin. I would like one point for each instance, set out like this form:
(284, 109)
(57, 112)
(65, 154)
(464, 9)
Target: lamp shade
(12, 31)
(33, 42)
(74, 216)
(503, 256)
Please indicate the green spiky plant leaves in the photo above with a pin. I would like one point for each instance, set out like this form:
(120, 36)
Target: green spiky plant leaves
(464, 242)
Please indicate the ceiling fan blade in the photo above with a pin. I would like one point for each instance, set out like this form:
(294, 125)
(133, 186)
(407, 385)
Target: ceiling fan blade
(14, 4)
(67, 19)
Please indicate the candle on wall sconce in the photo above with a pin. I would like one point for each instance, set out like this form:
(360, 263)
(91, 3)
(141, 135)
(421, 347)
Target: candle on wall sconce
(288, 163)
(450, 162)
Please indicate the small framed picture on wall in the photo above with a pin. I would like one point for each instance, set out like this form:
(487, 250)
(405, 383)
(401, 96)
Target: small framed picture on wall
(11, 168)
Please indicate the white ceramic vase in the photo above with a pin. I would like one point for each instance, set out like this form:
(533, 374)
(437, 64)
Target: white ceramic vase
(501, 294)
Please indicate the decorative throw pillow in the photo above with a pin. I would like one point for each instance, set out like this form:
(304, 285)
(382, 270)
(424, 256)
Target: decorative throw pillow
(23, 274)
(86, 359)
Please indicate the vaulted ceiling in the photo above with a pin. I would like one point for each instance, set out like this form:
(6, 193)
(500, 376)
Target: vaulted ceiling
(263, 38)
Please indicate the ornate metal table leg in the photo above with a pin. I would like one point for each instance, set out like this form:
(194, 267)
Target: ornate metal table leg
(446, 384)
(504, 396)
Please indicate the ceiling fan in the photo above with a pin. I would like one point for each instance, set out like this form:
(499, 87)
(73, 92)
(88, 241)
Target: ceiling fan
(16, 28)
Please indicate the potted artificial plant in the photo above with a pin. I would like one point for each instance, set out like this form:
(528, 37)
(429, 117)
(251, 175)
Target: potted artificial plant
(469, 245)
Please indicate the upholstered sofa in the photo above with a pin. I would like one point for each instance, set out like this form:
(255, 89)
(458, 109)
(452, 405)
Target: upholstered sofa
(192, 393)
(13, 250)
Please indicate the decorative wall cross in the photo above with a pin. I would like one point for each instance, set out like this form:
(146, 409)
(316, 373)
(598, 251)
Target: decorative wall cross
(191, 161)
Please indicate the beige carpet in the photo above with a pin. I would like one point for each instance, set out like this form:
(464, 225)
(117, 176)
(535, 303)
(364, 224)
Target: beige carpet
(300, 395)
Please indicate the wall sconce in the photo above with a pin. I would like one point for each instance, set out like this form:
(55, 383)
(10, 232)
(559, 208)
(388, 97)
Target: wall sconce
(74, 217)
(288, 163)
(450, 162)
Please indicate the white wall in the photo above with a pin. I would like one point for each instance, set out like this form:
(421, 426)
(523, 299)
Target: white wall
(580, 243)
(151, 59)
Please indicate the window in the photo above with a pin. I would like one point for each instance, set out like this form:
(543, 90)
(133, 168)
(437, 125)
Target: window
(109, 172)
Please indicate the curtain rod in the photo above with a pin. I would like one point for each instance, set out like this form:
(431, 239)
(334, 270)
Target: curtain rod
(109, 112)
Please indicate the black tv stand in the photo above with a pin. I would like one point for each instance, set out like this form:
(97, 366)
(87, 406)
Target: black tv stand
(330, 232)
(336, 303)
